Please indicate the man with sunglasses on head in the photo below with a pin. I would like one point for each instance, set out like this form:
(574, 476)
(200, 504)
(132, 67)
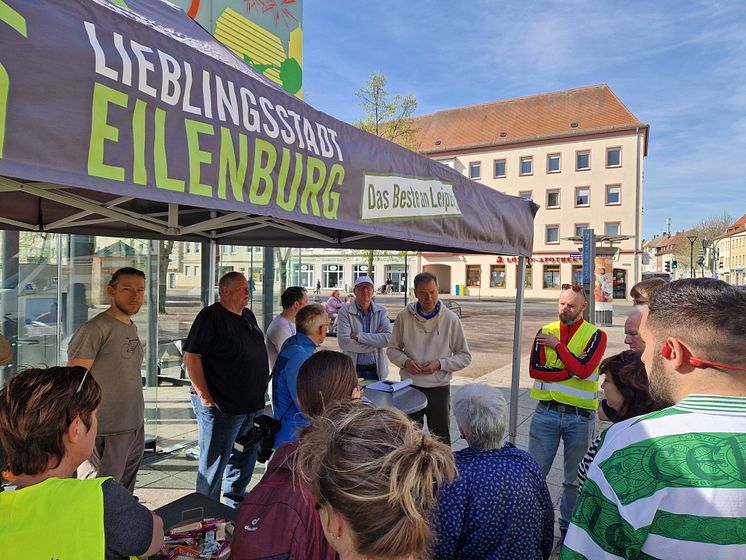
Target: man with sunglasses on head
(672, 483)
(564, 366)
(110, 347)
(227, 364)
(47, 428)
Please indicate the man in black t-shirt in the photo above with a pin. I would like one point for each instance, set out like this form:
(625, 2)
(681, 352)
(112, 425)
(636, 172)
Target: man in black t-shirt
(227, 364)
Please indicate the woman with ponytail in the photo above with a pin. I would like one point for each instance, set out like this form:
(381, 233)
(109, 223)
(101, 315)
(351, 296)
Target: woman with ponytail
(499, 507)
(277, 519)
(375, 477)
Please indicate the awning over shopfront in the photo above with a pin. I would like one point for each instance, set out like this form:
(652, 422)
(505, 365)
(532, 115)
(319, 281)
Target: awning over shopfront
(127, 118)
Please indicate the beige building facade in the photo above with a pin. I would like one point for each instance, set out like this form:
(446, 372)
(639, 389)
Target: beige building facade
(578, 154)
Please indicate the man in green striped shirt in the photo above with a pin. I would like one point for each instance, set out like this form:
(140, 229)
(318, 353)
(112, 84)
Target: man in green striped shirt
(672, 484)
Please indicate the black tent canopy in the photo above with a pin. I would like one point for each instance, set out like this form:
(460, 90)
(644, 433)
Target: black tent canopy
(128, 119)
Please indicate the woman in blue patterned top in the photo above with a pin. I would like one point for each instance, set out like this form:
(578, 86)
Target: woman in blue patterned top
(499, 506)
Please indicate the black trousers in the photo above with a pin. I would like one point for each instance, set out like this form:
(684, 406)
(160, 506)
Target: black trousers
(437, 412)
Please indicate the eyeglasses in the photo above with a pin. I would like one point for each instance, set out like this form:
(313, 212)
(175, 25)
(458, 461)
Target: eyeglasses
(80, 386)
(573, 287)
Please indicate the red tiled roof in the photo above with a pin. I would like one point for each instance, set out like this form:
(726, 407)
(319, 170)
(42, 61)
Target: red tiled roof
(740, 223)
(593, 109)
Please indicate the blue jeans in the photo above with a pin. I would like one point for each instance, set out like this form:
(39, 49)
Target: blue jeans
(547, 427)
(367, 372)
(219, 463)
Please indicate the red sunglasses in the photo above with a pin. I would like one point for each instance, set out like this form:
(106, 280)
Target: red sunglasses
(572, 287)
(698, 363)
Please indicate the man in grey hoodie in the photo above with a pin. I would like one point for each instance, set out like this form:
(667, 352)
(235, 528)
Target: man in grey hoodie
(428, 345)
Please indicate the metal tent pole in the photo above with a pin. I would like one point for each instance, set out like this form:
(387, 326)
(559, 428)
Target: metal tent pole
(516, 371)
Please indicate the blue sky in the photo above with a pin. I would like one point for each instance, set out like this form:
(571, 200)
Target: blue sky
(679, 66)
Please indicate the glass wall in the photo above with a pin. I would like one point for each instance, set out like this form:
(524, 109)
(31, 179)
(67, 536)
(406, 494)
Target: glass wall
(53, 283)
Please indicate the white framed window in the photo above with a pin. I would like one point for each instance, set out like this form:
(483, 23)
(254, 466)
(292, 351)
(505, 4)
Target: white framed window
(499, 168)
(187, 247)
(614, 157)
(580, 228)
(553, 198)
(613, 195)
(197, 246)
(582, 160)
(553, 163)
(552, 234)
(333, 276)
(582, 196)
(613, 228)
(196, 270)
(186, 271)
(475, 170)
(527, 165)
(526, 195)
(359, 270)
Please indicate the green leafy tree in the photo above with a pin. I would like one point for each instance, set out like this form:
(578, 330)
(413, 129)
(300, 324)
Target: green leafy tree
(387, 116)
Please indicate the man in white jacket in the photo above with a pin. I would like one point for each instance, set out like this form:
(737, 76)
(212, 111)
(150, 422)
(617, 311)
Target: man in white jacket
(428, 344)
(363, 332)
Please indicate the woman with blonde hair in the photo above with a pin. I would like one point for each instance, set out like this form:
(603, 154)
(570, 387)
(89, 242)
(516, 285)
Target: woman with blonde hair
(277, 519)
(375, 477)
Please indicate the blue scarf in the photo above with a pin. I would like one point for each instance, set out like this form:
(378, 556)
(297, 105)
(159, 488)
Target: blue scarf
(430, 315)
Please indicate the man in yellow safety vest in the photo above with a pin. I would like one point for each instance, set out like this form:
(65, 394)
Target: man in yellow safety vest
(564, 367)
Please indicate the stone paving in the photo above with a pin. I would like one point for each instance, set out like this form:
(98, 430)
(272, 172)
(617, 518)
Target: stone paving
(168, 476)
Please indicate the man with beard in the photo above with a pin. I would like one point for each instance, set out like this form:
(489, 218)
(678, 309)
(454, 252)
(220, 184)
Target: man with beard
(564, 366)
(108, 345)
(671, 484)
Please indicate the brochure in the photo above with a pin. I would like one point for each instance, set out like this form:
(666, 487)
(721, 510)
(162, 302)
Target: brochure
(389, 386)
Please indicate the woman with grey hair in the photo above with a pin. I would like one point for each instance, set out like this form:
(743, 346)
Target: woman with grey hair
(499, 506)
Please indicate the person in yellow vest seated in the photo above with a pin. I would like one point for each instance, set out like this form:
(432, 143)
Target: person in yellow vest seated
(47, 428)
(564, 366)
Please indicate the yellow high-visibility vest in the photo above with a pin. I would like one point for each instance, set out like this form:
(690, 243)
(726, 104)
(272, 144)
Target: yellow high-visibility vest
(60, 519)
(582, 393)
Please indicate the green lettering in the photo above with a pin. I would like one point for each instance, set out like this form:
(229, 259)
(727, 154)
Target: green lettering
(139, 173)
(262, 173)
(162, 180)
(101, 132)
(13, 18)
(289, 202)
(228, 164)
(196, 156)
(331, 197)
(315, 177)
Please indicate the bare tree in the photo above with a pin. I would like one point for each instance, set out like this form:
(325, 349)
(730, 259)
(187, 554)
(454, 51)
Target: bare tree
(706, 228)
(282, 254)
(166, 246)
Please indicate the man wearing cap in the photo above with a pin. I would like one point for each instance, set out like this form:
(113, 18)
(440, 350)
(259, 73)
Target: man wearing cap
(364, 331)
(564, 367)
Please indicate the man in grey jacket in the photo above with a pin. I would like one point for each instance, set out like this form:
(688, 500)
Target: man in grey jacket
(428, 344)
(364, 330)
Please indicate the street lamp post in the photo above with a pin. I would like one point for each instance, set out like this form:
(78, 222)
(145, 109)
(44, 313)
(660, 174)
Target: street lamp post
(692, 239)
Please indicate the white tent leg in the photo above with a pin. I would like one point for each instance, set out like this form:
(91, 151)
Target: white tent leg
(516, 372)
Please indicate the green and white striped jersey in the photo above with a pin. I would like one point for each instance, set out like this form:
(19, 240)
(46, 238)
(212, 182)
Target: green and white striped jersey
(667, 485)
